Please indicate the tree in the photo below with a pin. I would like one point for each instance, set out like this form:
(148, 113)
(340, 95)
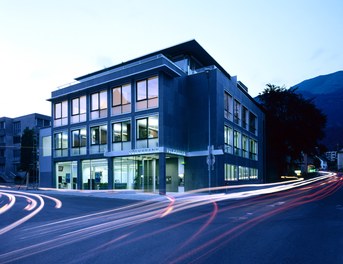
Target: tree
(28, 157)
(293, 126)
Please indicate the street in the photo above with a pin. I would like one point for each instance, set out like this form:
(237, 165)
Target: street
(300, 223)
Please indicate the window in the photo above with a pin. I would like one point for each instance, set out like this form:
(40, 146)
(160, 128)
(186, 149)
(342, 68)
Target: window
(147, 132)
(2, 125)
(79, 141)
(121, 99)
(46, 146)
(61, 144)
(230, 172)
(99, 105)
(227, 106)
(252, 123)
(78, 110)
(98, 139)
(243, 173)
(228, 139)
(147, 93)
(121, 136)
(61, 113)
(245, 146)
(253, 173)
(237, 112)
(237, 142)
(253, 149)
(17, 128)
(245, 114)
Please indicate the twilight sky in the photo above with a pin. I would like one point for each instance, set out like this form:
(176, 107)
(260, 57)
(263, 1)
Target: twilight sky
(47, 43)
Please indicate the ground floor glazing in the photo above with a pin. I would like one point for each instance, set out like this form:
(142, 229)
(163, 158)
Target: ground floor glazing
(123, 173)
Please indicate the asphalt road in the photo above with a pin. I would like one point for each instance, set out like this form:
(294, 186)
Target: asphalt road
(301, 225)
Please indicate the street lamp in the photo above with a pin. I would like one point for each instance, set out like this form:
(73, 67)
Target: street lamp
(210, 157)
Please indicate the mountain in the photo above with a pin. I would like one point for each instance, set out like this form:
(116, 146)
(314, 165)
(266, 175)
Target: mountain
(327, 94)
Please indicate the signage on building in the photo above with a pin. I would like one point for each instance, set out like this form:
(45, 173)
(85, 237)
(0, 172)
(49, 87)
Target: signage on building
(144, 151)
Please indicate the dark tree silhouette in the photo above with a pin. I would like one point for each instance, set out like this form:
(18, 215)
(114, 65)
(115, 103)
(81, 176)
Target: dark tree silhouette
(293, 126)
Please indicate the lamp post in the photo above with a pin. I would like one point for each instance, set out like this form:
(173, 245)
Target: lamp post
(210, 157)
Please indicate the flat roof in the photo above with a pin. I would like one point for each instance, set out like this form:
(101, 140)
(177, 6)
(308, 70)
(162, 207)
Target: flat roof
(191, 48)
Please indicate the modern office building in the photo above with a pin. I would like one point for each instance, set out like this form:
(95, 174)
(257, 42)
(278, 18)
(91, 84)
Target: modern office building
(171, 120)
(11, 131)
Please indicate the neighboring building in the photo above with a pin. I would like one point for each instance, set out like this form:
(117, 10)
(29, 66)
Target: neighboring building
(11, 130)
(45, 156)
(340, 160)
(145, 124)
(331, 155)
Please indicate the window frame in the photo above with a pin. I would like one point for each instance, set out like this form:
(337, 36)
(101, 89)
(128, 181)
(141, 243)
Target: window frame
(80, 116)
(101, 139)
(98, 111)
(61, 115)
(124, 107)
(121, 123)
(149, 98)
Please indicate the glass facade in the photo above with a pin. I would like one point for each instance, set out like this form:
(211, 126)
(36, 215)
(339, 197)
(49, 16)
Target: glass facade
(94, 174)
(234, 173)
(115, 122)
(66, 175)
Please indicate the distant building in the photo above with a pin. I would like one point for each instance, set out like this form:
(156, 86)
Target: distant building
(45, 158)
(171, 120)
(11, 130)
(331, 155)
(340, 159)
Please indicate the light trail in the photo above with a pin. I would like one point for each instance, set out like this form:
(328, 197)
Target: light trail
(32, 200)
(261, 204)
(7, 206)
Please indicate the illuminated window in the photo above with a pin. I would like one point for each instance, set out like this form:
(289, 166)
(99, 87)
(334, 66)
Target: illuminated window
(230, 172)
(98, 139)
(253, 173)
(245, 146)
(237, 142)
(121, 136)
(99, 105)
(147, 132)
(61, 144)
(121, 99)
(243, 173)
(253, 149)
(228, 139)
(147, 93)
(79, 141)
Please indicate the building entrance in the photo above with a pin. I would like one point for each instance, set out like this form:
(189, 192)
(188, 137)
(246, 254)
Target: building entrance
(142, 173)
(138, 173)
